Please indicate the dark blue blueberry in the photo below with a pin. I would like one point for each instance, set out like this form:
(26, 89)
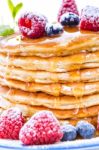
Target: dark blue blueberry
(69, 132)
(85, 129)
(69, 19)
(52, 29)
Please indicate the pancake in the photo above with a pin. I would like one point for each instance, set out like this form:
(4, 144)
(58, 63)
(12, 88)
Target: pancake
(53, 64)
(92, 120)
(73, 121)
(28, 110)
(56, 89)
(71, 41)
(86, 75)
(41, 99)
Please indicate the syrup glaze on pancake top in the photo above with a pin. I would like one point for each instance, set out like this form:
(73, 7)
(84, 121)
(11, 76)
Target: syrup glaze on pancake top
(71, 41)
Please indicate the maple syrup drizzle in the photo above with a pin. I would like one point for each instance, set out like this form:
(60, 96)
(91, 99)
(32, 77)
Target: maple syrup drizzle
(7, 66)
(48, 42)
(27, 85)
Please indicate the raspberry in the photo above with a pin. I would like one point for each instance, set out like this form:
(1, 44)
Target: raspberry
(11, 121)
(32, 25)
(42, 128)
(67, 6)
(90, 18)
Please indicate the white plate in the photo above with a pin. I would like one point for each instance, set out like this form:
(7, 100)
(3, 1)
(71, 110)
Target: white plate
(88, 144)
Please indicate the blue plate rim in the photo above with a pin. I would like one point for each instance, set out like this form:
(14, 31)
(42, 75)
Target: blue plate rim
(71, 145)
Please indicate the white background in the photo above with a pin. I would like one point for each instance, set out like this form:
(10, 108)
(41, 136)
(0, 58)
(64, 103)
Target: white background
(46, 7)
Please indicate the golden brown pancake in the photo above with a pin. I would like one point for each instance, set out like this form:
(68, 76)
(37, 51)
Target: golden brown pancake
(86, 75)
(41, 99)
(28, 110)
(53, 64)
(77, 89)
(71, 41)
(74, 121)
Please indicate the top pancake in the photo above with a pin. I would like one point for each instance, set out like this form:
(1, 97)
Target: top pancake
(69, 42)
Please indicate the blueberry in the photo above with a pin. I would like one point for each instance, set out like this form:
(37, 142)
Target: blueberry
(85, 129)
(69, 132)
(69, 19)
(52, 29)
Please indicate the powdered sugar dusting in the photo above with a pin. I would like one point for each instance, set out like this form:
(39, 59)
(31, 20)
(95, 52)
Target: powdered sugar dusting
(91, 11)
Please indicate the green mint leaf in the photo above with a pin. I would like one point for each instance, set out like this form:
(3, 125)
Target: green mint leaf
(11, 6)
(17, 9)
(14, 9)
(6, 30)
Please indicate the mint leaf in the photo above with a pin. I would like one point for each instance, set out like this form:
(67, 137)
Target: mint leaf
(11, 6)
(17, 9)
(6, 30)
(14, 9)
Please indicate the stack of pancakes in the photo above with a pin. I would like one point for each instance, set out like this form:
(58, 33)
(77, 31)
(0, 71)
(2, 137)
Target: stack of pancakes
(58, 73)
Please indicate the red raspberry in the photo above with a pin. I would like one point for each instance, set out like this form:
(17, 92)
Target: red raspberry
(32, 25)
(42, 128)
(11, 121)
(67, 6)
(90, 18)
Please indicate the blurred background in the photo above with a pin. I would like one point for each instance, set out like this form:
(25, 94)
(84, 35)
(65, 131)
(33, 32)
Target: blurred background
(47, 7)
